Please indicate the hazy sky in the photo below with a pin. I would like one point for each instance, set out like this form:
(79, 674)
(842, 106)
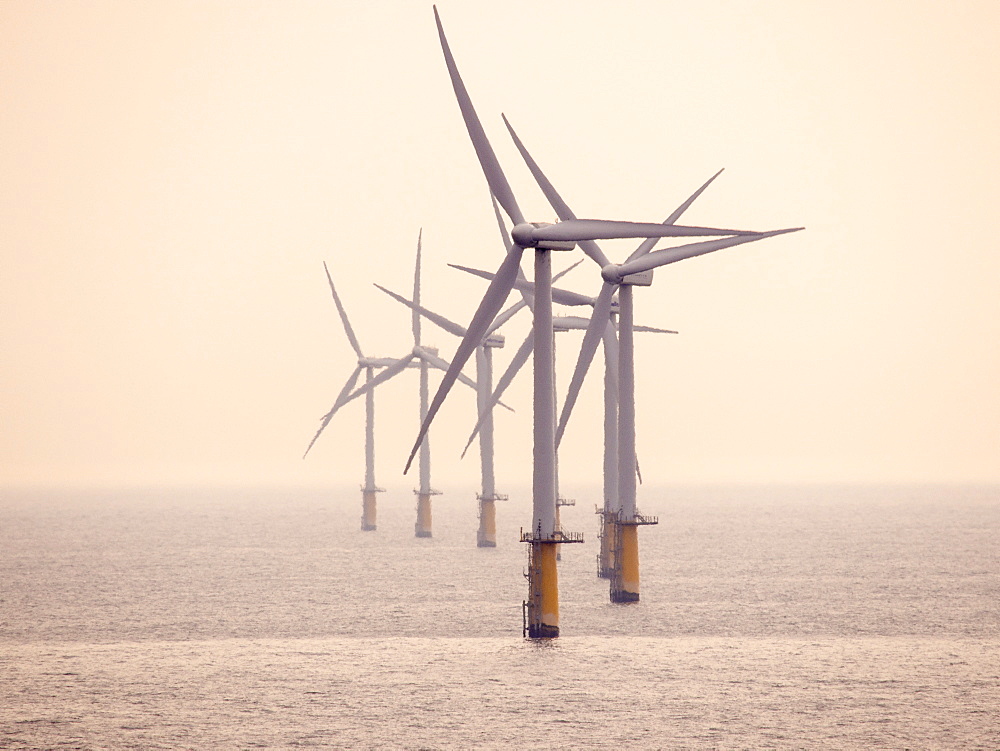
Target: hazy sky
(175, 173)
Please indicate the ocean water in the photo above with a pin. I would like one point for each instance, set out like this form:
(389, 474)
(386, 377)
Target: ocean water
(792, 617)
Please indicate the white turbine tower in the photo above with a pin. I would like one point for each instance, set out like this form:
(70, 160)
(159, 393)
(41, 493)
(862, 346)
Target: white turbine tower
(369, 365)
(620, 278)
(542, 608)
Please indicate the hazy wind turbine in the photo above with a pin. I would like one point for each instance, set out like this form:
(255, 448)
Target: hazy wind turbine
(636, 271)
(368, 364)
(426, 357)
(488, 496)
(542, 607)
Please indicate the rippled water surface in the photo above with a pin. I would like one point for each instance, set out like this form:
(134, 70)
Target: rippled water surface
(826, 617)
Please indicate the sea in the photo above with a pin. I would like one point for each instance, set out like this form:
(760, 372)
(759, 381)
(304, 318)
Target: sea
(784, 617)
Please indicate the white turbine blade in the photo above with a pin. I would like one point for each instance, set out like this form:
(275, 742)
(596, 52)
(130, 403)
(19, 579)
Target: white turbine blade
(671, 255)
(343, 314)
(442, 364)
(555, 200)
(475, 272)
(560, 296)
(340, 402)
(416, 292)
(651, 330)
(395, 369)
(490, 305)
(504, 235)
(516, 363)
(491, 166)
(430, 315)
(507, 243)
(572, 323)
(506, 315)
(599, 321)
(575, 230)
(649, 242)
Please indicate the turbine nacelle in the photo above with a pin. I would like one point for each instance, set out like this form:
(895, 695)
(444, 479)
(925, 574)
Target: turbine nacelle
(612, 274)
(524, 235)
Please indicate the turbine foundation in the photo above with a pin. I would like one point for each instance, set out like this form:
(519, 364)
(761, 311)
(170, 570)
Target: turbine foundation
(541, 609)
(625, 572)
(422, 528)
(368, 510)
(486, 536)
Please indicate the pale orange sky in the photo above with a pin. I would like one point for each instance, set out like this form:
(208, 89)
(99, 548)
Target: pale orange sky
(175, 173)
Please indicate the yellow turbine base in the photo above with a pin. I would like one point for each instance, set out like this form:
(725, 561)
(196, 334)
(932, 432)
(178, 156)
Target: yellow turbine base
(625, 586)
(368, 512)
(543, 591)
(423, 526)
(486, 537)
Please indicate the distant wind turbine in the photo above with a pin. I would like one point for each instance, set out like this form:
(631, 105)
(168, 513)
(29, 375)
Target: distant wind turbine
(425, 357)
(368, 364)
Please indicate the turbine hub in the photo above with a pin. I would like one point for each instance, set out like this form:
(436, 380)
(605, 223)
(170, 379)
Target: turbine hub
(522, 234)
(610, 274)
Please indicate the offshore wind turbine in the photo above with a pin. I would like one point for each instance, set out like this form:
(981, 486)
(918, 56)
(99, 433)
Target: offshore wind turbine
(542, 606)
(426, 357)
(486, 535)
(368, 364)
(486, 400)
(637, 270)
(610, 459)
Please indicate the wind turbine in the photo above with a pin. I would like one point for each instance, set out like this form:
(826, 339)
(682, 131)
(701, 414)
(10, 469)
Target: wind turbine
(426, 357)
(637, 270)
(610, 464)
(488, 496)
(368, 364)
(486, 401)
(542, 607)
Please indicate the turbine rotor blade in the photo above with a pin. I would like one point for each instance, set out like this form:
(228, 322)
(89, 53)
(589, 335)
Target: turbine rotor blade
(490, 305)
(444, 323)
(651, 330)
(555, 200)
(599, 321)
(560, 296)
(343, 314)
(416, 292)
(575, 230)
(649, 242)
(487, 158)
(395, 369)
(507, 242)
(340, 402)
(565, 271)
(507, 315)
(516, 363)
(671, 255)
(441, 364)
